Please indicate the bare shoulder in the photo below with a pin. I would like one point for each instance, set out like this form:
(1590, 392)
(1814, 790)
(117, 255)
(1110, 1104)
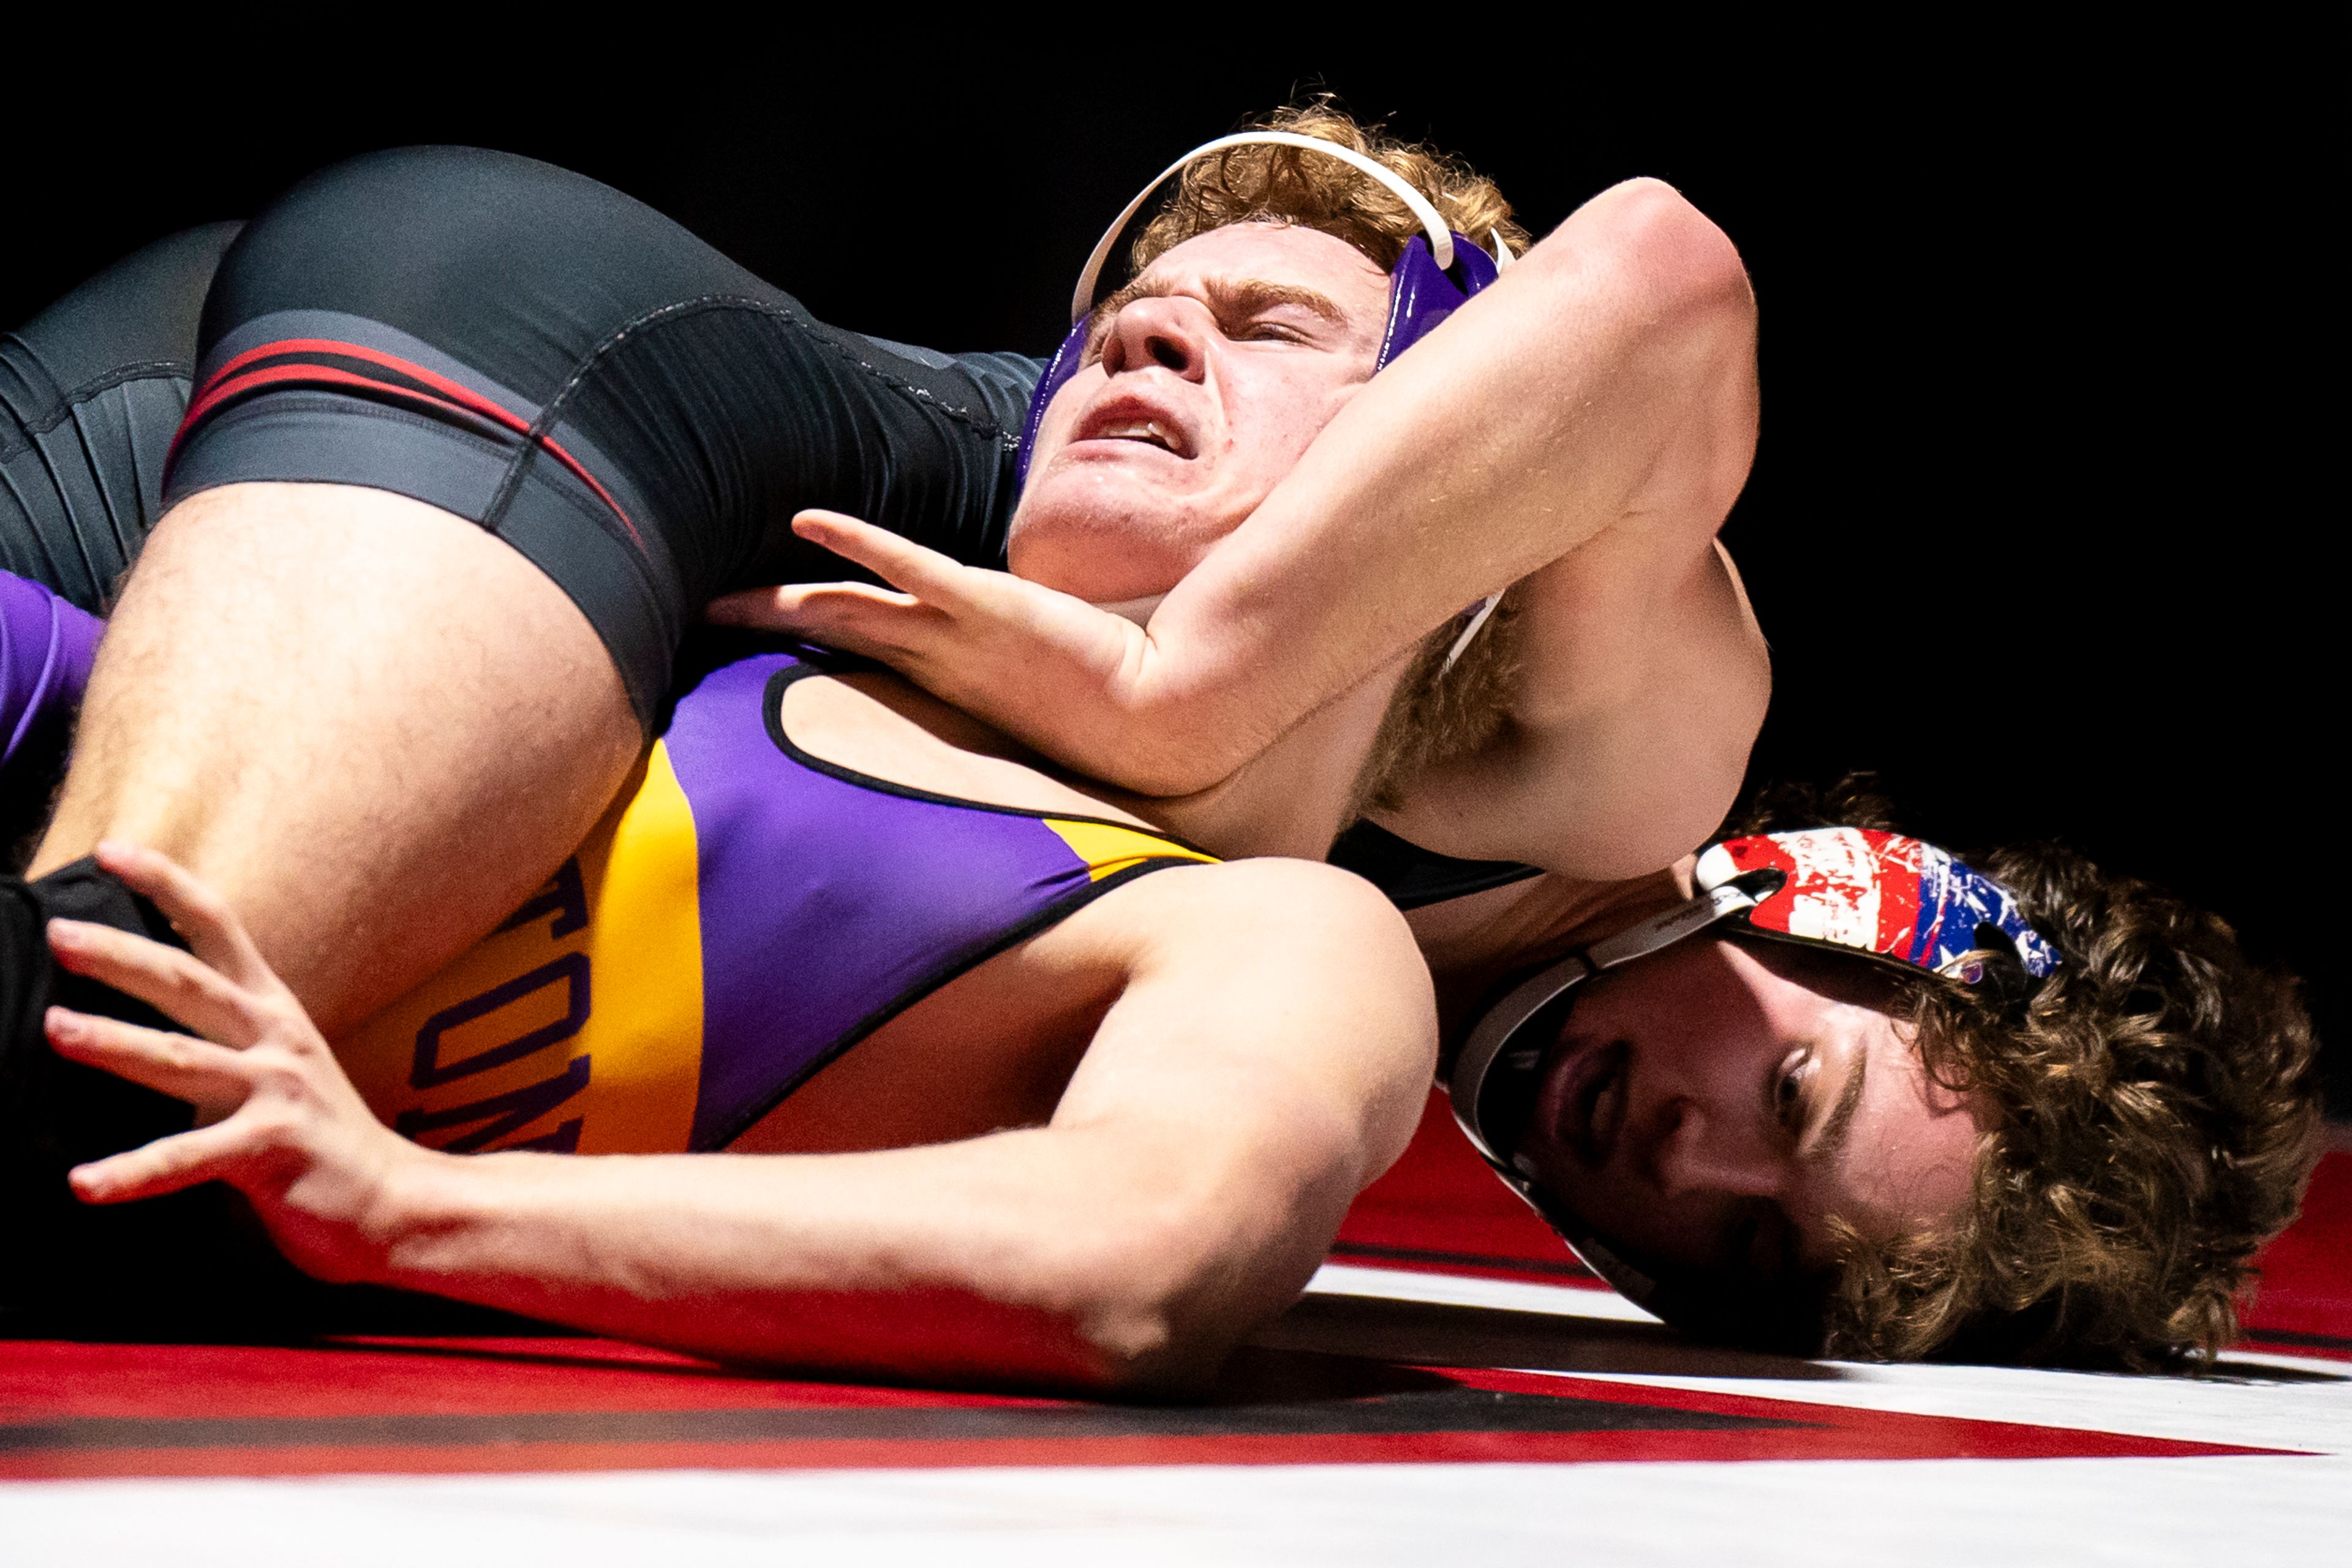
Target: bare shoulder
(1325, 939)
(1265, 899)
(1286, 987)
(1292, 938)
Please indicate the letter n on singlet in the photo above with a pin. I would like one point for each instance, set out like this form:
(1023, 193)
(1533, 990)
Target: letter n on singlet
(502, 1114)
(505, 1113)
(427, 1069)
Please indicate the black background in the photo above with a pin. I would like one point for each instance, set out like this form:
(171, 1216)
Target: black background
(2034, 529)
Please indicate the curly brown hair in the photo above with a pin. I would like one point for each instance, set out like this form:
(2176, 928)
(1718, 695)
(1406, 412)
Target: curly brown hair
(2152, 1116)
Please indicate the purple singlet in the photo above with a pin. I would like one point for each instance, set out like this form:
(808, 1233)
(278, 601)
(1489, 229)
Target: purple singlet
(744, 914)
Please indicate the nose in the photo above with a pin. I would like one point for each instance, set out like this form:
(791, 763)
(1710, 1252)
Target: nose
(1701, 1152)
(1170, 333)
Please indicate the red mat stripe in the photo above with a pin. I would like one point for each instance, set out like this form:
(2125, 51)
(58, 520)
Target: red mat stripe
(40, 1439)
(1445, 1447)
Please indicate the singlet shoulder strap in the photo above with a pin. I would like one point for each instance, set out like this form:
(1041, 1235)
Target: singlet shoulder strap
(1413, 877)
(1125, 843)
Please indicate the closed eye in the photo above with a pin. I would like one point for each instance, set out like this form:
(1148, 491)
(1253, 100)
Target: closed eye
(1243, 307)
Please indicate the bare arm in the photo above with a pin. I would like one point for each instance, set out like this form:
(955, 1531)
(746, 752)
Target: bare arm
(1585, 425)
(1265, 1060)
(1605, 383)
(1642, 681)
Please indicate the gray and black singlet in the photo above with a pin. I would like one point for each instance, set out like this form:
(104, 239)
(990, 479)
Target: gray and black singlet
(531, 349)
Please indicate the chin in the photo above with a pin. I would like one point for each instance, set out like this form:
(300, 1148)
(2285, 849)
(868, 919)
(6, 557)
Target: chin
(1104, 538)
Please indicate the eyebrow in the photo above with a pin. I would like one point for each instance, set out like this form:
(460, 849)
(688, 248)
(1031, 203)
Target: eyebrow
(1229, 298)
(1840, 1122)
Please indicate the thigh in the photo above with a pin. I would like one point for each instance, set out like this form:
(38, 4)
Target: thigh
(569, 369)
(90, 392)
(371, 728)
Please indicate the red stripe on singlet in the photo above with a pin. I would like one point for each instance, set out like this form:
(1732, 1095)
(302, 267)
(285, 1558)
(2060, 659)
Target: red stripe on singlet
(227, 382)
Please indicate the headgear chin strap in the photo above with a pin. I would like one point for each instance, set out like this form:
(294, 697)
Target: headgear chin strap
(1878, 896)
(1439, 271)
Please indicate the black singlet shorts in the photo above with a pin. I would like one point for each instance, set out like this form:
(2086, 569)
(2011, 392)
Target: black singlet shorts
(90, 392)
(560, 363)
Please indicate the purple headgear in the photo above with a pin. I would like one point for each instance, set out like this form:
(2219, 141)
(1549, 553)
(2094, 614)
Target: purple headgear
(1438, 270)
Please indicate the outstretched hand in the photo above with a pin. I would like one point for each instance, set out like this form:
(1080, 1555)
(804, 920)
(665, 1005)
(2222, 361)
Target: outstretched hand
(1051, 670)
(276, 1116)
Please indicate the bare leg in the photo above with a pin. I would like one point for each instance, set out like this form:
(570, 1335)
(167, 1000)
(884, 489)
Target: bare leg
(373, 726)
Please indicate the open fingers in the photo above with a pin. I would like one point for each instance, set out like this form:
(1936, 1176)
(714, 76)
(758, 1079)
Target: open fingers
(173, 983)
(209, 1076)
(166, 1165)
(215, 933)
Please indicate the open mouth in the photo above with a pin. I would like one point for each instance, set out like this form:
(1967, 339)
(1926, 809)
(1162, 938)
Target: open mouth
(1127, 419)
(1146, 430)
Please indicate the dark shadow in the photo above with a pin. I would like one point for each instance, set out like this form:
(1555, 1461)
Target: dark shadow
(2248, 1371)
(1265, 1394)
(508, 1355)
(1425, 1333)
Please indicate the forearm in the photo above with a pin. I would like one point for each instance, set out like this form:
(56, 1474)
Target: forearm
(1000, 1257)
(1266, 1056)
(1542, 412)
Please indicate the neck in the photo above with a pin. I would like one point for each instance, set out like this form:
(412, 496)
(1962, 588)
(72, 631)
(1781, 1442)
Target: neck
(1473, 944)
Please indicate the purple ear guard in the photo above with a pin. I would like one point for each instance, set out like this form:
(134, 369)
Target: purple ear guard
(1882, 897)
(1058, 370)
(1421, 293)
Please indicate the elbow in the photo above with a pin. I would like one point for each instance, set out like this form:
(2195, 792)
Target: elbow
(1165, 1304)
(1677, 256)
(1696, 347)
(1135, 1351)
(1673, 274)
(1138, 1325)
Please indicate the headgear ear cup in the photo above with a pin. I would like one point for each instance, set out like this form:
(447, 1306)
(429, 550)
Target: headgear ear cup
(1058, 370)
(1422, 294)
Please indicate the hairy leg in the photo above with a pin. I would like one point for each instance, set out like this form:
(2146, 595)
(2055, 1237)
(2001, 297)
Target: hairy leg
(373, 726)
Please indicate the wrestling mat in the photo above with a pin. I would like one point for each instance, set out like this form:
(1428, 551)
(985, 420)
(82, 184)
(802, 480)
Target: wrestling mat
(1452, 1389)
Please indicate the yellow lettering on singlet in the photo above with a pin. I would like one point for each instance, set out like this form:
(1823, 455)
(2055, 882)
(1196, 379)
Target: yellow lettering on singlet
(1108, 849)
(578, 1027)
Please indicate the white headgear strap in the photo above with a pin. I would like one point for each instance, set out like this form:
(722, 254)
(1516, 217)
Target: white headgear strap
(1441, 239)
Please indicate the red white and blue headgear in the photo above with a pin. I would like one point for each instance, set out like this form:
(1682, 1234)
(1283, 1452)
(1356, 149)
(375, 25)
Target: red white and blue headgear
(1882, 897)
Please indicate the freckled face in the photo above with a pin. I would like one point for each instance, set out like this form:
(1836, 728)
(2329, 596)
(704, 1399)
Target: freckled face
(1714, 1105)
(1204, 382)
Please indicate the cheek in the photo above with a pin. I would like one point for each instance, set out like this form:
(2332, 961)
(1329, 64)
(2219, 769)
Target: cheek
(1274, 418)
(1054, 430)
(1631, 1214)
